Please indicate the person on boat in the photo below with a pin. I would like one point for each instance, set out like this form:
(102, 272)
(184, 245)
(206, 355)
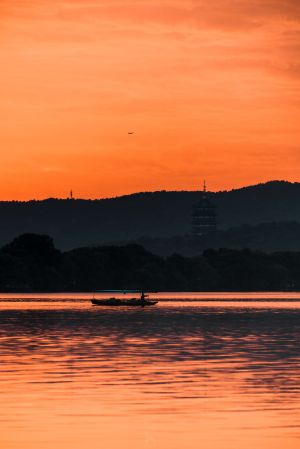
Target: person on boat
(143, 297)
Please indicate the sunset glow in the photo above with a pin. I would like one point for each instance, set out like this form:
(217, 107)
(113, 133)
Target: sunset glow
(209, 89)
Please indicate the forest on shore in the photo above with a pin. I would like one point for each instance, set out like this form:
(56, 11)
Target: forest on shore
(32, 263)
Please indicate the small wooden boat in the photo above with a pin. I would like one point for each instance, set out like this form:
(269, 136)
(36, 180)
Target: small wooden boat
(117, 302)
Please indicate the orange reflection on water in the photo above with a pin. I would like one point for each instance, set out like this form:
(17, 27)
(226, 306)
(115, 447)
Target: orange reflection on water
(173, 376)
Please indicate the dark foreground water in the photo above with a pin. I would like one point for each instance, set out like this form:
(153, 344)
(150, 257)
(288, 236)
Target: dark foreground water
(178, 375)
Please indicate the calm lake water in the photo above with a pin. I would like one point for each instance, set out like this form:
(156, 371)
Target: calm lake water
(213, 373)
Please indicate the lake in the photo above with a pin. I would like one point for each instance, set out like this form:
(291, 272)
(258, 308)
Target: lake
(219, 371)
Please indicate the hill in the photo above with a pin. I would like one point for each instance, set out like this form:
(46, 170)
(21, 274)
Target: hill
(74, 223)
(267, 237)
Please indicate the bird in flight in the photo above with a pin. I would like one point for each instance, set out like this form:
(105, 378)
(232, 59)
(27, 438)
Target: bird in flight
(131, 132)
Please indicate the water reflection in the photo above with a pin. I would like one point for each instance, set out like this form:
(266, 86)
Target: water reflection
(172, 376)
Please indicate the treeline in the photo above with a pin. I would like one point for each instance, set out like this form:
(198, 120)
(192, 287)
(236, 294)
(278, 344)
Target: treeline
(31, 263)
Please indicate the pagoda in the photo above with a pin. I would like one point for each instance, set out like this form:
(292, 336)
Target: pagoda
(204, 216)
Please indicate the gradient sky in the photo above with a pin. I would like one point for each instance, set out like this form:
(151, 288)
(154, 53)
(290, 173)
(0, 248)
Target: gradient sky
(210, 88)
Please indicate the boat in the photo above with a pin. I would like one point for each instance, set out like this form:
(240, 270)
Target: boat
(117, 302)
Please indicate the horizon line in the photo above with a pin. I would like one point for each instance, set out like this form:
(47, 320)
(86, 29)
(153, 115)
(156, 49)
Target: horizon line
(74, 198)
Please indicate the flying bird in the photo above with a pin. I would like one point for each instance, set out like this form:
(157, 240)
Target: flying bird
(131, 132)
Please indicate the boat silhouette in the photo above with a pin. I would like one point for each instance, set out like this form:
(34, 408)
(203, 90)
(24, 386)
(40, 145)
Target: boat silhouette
(117, 302)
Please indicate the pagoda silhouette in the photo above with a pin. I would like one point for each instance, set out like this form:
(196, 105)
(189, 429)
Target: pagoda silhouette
(204, 219)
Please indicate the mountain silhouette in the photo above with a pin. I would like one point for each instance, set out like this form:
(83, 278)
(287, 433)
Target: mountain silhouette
(74, 222)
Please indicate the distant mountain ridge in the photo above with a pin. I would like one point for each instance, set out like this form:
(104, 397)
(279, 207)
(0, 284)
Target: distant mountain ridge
(266, 237)
(74, 223)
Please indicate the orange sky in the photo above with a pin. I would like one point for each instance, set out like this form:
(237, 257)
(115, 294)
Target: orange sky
(210, 88)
